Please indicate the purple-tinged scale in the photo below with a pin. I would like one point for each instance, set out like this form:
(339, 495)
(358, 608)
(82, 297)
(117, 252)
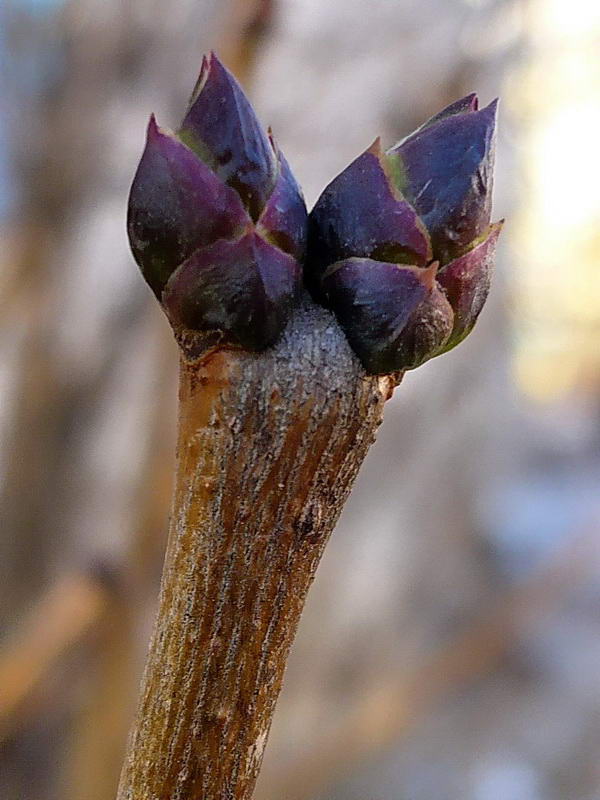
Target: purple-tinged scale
(446, 173)
(176, 205)
(223, 129)
(426, 331)
(245, 287)
(283, 220)
(375, 302)
(361, 214)
(466, 282)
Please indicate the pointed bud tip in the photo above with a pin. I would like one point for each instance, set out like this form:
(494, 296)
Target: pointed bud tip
(375, 148)
(221, 127)
(273, 142)
(213, 58)
(466, 105)
(491, 110)
(427, 275)
(471, 101)
(211, 69)
(216, 66)
(157, 135)
(204, 68)
(152, 130)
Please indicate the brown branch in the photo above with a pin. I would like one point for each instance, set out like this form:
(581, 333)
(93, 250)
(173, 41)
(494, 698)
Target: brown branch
(268, 448)
(247, 25)
(93, 757)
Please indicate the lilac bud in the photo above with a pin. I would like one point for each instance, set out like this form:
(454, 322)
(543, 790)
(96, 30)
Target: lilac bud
(218, 191)
(466, 282)
(361, 213)
(380, 229)
(395, 316)
(176, 205)
(253, 304)
(222, 128)
(445, 170)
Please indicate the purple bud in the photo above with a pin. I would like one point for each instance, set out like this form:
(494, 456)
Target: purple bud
(446, 171)
(466, 282)
(283, 220)
(245, 287)
(176, 205)
(222, 128)
(215, 211)
(361, 213)
(395, 316)
(380, 229)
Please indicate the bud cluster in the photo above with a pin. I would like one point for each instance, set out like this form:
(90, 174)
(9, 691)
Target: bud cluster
(400, 244)
(216, 219)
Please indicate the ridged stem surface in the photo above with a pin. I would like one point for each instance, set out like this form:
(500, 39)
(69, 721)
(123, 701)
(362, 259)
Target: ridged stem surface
(268, 447)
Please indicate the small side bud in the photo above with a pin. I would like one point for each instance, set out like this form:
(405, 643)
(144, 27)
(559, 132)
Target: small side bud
(466, 282)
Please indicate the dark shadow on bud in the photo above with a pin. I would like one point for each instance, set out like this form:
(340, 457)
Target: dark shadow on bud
(244, 288)
(426, 332)
(284, 217)
(466, 282)
(395, 317)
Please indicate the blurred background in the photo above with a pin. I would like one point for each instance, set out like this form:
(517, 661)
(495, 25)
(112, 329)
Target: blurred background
(450, 647)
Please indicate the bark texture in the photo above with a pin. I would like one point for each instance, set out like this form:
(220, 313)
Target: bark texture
(268, 448)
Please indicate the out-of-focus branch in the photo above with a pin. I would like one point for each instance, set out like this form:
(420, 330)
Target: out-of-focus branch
(99, 734)
(245, 29)
(60, 618)
(390, 709)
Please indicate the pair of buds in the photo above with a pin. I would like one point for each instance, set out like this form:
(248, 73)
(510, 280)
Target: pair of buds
(399, 246)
